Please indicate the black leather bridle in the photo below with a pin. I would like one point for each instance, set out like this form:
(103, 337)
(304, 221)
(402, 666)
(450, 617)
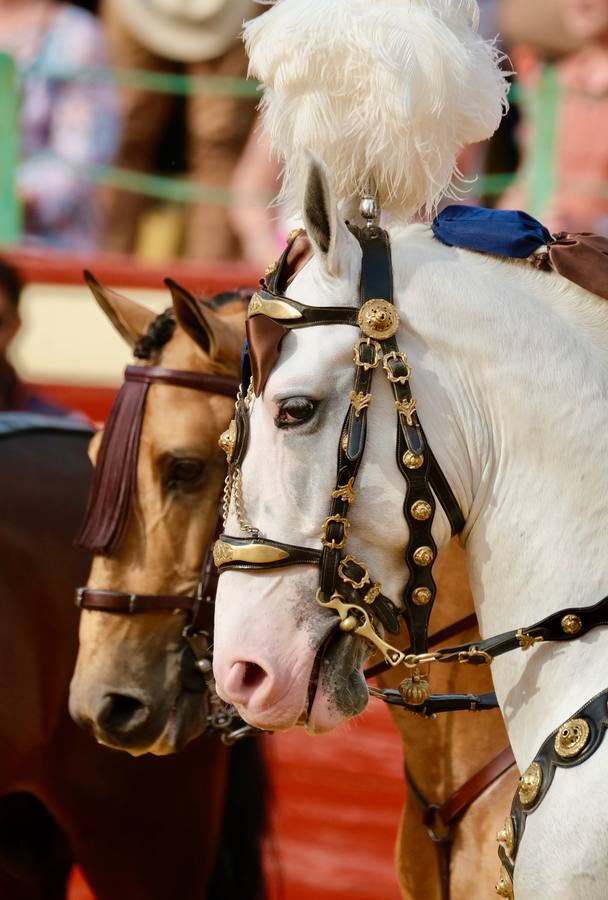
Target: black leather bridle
(345, 583)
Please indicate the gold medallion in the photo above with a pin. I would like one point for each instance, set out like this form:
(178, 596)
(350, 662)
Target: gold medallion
(378, 319)
(572, 737)
(421, 510)
(571, 624)
(421, 596)
(412, 460)
(423, 556)
(529, 784)
(506, 836)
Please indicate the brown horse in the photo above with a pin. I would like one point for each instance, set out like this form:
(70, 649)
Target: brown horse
(473, 740)
(129, 687)
(143, 829)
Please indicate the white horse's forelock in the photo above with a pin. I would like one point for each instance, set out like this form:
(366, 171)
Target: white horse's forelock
(384, 89)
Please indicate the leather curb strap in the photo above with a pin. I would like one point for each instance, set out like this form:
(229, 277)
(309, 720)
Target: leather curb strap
(440, 819)
(569, 745)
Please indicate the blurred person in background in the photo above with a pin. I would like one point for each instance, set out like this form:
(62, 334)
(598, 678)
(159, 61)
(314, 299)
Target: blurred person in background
(14, 394)
(66, 122)
(560, 52)
(200, 38)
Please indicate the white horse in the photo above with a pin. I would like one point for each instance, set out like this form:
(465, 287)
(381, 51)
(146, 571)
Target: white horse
(510, 374)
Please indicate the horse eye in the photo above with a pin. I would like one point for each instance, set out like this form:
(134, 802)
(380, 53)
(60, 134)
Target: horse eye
(294, 411)
(184, 472)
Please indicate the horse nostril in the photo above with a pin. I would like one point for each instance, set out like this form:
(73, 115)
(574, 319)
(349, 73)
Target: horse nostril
(253, 676)
(121, 712)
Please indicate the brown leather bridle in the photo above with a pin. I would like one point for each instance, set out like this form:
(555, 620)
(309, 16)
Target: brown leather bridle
(198, 631)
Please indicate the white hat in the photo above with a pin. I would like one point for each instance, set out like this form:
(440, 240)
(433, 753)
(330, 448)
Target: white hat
(186, 30)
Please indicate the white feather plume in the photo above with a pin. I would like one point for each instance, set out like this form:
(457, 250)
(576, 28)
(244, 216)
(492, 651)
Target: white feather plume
(389, 89)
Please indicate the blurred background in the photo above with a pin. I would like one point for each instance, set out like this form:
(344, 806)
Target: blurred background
(129, 146)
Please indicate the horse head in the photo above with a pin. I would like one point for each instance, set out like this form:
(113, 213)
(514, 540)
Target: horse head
(131, 685)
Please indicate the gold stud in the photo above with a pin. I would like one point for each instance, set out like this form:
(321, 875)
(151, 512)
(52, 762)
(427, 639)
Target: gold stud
(423, 556)
(572, 737)
(506, 836)
(412, 460)
(421, 596)
(293, 234)
(269, 270)
(348, 624)
(421, 510)
(378, 319)
(529, 784)
(504, 885)
(571, 624)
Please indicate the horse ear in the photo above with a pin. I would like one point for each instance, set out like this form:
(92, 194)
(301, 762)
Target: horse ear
(324, 226)
(220, 339)
(94, 444)
(130, 319)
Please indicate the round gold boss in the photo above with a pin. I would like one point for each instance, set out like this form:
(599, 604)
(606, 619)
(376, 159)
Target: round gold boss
(421, 596)
(227, 440)
(572, 738)
(571, 624)
(421, 510)
(504, 885)
(506, 836)
(423, 556)
(529, 784)
(378, 319)
(412, 460)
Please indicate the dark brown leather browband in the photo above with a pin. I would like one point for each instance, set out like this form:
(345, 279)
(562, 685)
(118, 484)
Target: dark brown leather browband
(195, 381)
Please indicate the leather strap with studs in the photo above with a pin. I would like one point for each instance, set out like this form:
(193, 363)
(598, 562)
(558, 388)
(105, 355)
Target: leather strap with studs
(572, 744)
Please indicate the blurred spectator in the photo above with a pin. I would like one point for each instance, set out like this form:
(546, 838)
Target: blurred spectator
(563, 179)
(66, 122)
(198, 37)
(14, 394)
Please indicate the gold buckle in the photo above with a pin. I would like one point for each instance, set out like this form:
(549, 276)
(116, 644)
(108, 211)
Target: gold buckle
(398, 355)
(335, 545)
(367, 342)
(341, 572)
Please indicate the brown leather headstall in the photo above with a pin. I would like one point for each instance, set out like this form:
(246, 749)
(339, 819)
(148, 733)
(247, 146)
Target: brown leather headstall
(118, 455)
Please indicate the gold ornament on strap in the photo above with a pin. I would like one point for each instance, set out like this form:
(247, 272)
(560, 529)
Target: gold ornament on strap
(378, 319)
(572, 738)
(249, 553)
(504, 885)
(506, 836)
(530, 784)
(359, 401)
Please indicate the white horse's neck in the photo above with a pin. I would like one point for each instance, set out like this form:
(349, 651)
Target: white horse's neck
(519, 374)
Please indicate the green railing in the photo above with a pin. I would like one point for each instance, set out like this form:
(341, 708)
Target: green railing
(10, 209)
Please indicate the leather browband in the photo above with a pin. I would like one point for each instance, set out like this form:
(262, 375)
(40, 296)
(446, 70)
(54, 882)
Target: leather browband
(197, 381)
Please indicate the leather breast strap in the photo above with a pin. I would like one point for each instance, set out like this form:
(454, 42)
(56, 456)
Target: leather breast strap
(440, 819)
(572, 744)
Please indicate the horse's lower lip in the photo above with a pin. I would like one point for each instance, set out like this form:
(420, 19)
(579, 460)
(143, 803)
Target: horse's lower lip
(314, 675)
